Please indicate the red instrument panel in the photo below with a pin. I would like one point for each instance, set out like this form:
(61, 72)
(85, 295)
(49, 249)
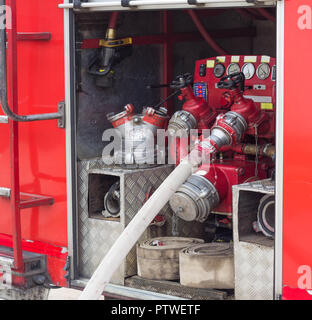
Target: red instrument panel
(260, 84)
(260, 74)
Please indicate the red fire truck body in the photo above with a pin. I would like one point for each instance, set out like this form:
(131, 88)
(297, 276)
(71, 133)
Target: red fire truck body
(37, 200)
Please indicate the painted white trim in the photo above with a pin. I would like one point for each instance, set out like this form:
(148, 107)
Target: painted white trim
(278, 268)
(70, 231)
(162, 4)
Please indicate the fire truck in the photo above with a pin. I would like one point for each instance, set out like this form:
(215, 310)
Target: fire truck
(75, 72)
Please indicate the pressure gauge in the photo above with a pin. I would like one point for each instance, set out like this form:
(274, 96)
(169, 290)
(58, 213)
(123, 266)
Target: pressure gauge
(248, 70)
(219, 70)
(233, 68)
(263, 71)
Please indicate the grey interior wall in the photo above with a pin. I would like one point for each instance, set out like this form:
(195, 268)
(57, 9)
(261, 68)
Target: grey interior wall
(144, 66)
(265, 42)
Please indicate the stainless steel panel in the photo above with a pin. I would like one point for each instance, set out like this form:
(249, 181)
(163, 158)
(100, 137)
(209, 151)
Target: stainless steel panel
(96, 236)
(253, 253)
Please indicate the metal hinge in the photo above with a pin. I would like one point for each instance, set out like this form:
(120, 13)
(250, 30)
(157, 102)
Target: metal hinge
(77, 3)
(61, 109)
(5, 192)
(4, 119)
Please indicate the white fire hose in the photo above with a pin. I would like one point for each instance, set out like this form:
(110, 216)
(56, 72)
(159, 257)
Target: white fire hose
(135, 229)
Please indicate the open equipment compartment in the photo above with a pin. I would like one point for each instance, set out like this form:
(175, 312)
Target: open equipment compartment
(165, 43)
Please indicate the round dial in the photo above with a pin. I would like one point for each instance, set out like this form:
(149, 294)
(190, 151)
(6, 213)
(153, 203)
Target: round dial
(219, 70)
(263, 71)
(233, 68)
(248, 70)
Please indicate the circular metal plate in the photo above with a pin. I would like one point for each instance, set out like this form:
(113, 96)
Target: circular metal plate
(183, 206)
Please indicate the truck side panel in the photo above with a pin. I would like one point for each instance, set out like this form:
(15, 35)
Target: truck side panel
(297, 196)
(42, 144)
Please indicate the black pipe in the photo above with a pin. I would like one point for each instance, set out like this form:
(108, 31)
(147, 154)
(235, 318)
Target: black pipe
(3, 86)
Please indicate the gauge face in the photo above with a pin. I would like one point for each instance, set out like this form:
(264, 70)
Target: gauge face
(248, 70)
(233, 68)
(263, 71)
(219, 70)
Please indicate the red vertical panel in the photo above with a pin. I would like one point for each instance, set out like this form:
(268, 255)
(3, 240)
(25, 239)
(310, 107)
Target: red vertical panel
(42, 152)
(297, 196)
(14, 143)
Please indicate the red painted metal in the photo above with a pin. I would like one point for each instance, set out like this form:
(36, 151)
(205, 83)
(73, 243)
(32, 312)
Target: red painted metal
(296, 294)
(297, 174)
(56, 256)
(205, 112)
(36, 246)
(44, 228)
(14, 143)
(198, 107)
(156, 120)
(230, 172)
(216, 99)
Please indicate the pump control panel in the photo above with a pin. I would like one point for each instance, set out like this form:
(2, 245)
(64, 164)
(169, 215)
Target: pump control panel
(260, 81)
(259, 73)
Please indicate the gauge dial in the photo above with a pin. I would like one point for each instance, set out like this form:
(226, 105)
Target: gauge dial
(233, 68)
(248, 70)
(263, 71)
(219, 70)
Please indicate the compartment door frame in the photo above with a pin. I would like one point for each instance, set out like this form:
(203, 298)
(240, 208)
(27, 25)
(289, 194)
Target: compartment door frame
(71, 130)
(278, 247)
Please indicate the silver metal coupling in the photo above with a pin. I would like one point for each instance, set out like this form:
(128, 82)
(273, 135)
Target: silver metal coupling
(195, 199)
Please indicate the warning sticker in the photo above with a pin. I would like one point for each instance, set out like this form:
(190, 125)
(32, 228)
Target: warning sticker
(250, 59)
(266, 106)
(210, 63)
(265, 59)
(220, 59)
(235, 59)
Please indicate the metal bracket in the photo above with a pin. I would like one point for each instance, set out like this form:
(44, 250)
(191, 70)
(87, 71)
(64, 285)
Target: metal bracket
(125, 3)
(28, 200)
(61, 109)
(4, 119)
(77, 3)
(5, 192)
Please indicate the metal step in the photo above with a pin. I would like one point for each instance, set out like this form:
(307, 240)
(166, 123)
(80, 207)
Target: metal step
(176, 289)
(34, 264)
(30, 259)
